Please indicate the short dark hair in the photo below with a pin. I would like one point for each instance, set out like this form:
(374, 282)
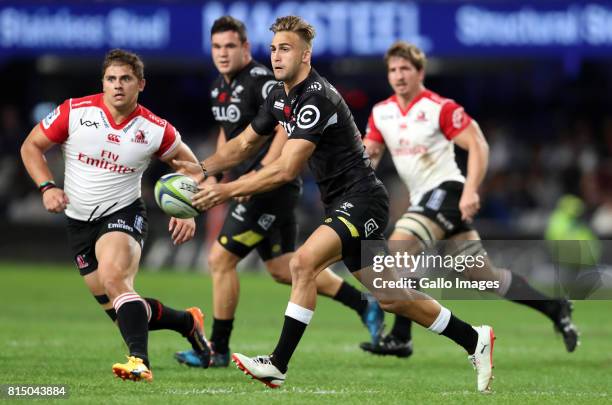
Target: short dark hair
(123, 57)
(295, 24)
(407, 51)
(229, 23)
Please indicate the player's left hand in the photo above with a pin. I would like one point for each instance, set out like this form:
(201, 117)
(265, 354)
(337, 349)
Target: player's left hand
(211, 195)
(182, 230)
(469, 204)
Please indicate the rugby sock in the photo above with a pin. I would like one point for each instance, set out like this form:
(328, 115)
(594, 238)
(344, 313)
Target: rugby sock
(521, 292)
(133, 315)
(449, 325)
(351, 297)
(112, 314)
(163, 317)
(402, 328)
(296, 320)
(221, 332)
(102, 300)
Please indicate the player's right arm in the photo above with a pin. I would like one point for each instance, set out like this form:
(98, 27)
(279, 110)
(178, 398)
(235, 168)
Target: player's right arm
(229, 155)
(33, 155)
(236, 150)
(374, 142)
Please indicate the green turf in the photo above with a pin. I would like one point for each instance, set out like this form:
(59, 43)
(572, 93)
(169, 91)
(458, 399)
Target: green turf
(52, 332)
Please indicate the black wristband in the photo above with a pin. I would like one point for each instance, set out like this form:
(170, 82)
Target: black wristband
(204, 170)
(44, 186)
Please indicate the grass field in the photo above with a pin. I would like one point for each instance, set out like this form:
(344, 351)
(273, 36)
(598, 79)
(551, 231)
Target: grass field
(52, 332)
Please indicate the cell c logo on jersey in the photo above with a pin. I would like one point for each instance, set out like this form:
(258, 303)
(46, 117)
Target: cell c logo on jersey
(308, 116)
(232, 113)
(265, 89)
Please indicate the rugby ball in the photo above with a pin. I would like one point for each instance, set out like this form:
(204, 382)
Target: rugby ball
(173, 194)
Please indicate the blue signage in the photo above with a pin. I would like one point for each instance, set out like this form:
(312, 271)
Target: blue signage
(344, 28)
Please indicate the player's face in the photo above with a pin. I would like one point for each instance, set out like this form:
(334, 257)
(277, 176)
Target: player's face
(403, 77)
(287, 52)
(121, 86)
(228, 52)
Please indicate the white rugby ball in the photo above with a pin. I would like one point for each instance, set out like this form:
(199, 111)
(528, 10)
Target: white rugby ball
(173, 194)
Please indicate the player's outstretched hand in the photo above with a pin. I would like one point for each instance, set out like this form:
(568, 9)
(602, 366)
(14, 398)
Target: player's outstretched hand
(182, 229)
(191, 169)
(55, 200)
(210, 195)
(469, 204)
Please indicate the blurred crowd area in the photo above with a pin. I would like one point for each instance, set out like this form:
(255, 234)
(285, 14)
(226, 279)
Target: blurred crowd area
(549, 131)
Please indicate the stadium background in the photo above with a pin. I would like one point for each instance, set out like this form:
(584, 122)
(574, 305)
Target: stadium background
(536, 75)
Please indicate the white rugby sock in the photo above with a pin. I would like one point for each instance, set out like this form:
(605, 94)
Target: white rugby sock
(299, 313)
(441, 321)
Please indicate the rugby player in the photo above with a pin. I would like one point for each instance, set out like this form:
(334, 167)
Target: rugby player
(420, 129)
(266, 222)
(108, 140)
(322, 132)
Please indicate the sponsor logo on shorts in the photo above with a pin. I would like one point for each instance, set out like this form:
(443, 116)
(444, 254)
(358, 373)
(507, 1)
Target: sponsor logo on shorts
(436, 199)
(239, 212)
(369, 227)
(81, 261)
(447, 224)
(138, 223)
(266, 221)
(120, 224)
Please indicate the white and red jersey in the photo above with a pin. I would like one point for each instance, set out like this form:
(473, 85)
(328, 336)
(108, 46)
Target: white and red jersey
(419, 139)
(104, 161)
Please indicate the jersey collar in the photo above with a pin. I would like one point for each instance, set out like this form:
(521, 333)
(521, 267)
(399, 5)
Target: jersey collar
(423, 93)
(109, 116)
(239, 73)
(294, 92)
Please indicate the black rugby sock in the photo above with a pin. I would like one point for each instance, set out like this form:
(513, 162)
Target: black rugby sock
(461, 333)
(522, 293)
(132, 322)
(221, 332)
(402, 328)
(351, 297)
(163, 317)
(289, 339)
